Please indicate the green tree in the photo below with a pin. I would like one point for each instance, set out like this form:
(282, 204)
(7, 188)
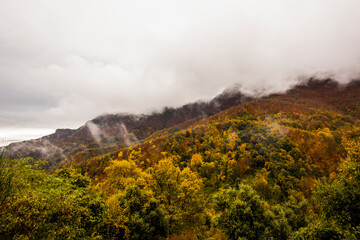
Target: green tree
(338, 199)
(243, 215)
(6, 180)
(55, 206)
(142, 216)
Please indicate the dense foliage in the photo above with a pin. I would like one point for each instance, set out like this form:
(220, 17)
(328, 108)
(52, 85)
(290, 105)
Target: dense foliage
(263, 170)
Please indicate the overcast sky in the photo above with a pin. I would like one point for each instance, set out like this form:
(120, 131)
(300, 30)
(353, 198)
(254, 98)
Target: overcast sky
(65, 62)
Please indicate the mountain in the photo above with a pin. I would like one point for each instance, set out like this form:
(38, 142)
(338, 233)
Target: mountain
(284, 166)
(307, 108)
(288, 163)
(111, 131)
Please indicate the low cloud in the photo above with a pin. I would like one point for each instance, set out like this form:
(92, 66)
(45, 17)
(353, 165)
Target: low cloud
(65, 62)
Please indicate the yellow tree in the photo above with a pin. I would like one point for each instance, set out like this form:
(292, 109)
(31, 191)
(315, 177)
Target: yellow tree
(196, 161)
(119, 175)
(180, 195)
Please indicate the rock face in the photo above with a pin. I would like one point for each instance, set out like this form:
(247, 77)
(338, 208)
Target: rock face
(119, 129)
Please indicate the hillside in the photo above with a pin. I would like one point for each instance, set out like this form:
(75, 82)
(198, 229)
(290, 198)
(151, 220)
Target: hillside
(308, 106)
(108, 132)
(285, 166)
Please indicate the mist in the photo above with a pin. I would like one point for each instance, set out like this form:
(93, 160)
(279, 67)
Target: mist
(63, 63)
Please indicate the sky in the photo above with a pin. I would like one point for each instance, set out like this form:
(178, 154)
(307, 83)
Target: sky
(65, 62)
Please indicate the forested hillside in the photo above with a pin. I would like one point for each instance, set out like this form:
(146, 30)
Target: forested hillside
(284, 166)
(109, 132)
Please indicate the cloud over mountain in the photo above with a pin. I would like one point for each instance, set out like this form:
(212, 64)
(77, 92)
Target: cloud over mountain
(64, 62)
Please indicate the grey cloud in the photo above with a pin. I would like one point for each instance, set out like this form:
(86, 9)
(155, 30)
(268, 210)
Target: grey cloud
(65, 62)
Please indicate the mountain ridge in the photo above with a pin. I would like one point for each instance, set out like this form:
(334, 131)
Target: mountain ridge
(109, 132)
(120, 129)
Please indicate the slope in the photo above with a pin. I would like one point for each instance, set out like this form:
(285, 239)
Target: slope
(108, 132)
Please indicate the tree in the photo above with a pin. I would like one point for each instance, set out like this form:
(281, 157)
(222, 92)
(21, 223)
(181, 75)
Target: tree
(142, 215)
(180, 195)
(338, 199)
(57, 206)
(6, 179)
(196, 161)
(243, 215)
(119, 175)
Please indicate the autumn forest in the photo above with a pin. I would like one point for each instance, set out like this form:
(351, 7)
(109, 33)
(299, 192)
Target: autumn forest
(284, 166)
